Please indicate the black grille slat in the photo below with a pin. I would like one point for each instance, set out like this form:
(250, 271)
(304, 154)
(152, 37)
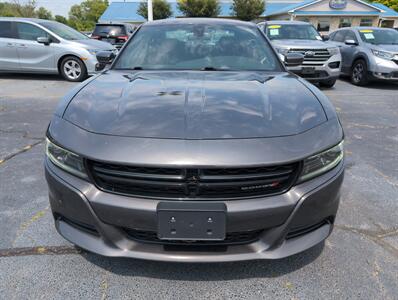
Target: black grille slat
(193, 183)
(231, 238)
(320, 55)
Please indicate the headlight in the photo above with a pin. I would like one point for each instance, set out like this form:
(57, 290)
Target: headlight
(93, 51)
(65, 159)
(333, 51)
(383, 54)
(282, 51)
(321, 163)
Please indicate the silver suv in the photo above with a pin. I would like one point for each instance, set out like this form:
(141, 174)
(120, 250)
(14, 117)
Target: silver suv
(321, 60)
(369, 53)
(42, 46)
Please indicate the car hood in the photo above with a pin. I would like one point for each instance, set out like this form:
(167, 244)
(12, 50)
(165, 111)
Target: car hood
(94, 44)
(306, 44)
(195, 105)
(390, 48)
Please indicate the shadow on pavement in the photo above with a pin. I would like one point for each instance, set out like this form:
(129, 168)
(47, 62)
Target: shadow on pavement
(379, 85)
(206, 271)
(24, 76)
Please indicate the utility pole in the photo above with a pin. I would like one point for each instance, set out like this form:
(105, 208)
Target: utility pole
(150, 11)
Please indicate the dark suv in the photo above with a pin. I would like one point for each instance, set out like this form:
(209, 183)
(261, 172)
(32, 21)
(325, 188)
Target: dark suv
(114, 33)
(196, 145)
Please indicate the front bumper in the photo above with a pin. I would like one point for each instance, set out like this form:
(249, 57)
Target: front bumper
(322, 72)
(96, 220)
(383, 69)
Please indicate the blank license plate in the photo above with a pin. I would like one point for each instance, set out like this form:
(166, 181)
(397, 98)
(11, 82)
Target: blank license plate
(191, 221)
(308, 70)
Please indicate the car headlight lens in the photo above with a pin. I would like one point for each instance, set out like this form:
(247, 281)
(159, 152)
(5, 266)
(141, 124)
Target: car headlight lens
(65, 159)
(321, 163)
(333, 51)
(383, 54)
(93, 51)
(282, 51)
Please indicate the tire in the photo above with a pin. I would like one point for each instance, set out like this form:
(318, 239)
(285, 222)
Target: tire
(73, 69)
(328, 83)
(359, 73)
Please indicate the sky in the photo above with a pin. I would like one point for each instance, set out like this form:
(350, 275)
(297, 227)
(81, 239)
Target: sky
(62, 7)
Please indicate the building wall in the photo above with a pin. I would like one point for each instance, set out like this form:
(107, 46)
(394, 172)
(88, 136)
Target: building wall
(351, 6)
(335, 21)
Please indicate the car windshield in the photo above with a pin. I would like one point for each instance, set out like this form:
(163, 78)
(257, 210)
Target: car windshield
(379, 36)
(112, 30)
(292, 31)
(198, 47)
(64, 31)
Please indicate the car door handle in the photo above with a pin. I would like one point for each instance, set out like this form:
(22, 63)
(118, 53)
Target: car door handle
(21, 46)
(10, 45)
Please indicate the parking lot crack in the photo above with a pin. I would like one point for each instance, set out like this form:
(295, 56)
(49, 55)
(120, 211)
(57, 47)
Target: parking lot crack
(20, 151)
(375, 236)
(40, 250)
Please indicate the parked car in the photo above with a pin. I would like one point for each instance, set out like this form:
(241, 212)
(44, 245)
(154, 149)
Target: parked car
(180, 153)
(321, 60)
(114, 33)
(43, 46)
(369, 53)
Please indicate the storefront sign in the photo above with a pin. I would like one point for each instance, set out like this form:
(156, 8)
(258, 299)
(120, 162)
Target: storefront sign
(338, 4)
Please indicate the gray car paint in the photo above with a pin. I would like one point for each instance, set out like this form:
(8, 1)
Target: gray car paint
(97, 120)
(350, 53)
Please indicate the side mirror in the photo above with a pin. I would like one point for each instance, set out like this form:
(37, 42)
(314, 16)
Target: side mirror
(294, 59)
(104, 58)
(325, 37)
(44, 40)
(351, 43)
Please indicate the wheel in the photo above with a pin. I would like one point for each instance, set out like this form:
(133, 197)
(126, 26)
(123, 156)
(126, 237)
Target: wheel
(328, 83)
(73, 69)
(359, 73)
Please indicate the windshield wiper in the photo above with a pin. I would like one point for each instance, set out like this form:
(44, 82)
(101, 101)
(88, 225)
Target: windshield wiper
(214, 69)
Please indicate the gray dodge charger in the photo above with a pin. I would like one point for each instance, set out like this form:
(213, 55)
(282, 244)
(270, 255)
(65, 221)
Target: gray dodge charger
(195, 145)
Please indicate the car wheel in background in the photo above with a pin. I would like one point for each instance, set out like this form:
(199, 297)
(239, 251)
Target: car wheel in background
(359, 73)
(328, 83)
(73, 69)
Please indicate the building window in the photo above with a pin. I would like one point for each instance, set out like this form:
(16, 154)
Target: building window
(366, 22)
(344, 22)
(323, 25)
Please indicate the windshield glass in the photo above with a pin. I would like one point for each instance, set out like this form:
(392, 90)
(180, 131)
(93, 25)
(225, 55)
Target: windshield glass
(64, 31)
(292, 31)
(112, 30)
(198, 47)
(379, 36)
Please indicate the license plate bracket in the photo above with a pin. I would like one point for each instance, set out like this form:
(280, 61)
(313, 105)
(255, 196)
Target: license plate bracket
(308, 70)
(191, 221)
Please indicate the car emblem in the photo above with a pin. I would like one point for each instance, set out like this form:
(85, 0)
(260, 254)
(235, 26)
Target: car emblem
(338, 4)
(309, 53)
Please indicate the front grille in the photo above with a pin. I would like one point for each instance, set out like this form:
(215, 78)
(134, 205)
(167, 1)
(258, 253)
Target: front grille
(318, 57)
(192, 183)
(232, 238)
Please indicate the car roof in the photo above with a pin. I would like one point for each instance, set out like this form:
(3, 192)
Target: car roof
(203, 21)
(286, 22)
(364, 28)
(31, 20)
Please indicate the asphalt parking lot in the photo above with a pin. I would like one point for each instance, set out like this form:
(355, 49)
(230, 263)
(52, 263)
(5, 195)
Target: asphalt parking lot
(359, 260)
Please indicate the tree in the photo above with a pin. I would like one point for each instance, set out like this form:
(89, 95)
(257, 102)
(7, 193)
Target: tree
(199, 8)
(61, 19)
(26, 10)
(84, 16)
(390, 3)
(43, 13)
(161, 9)
(248, 10)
